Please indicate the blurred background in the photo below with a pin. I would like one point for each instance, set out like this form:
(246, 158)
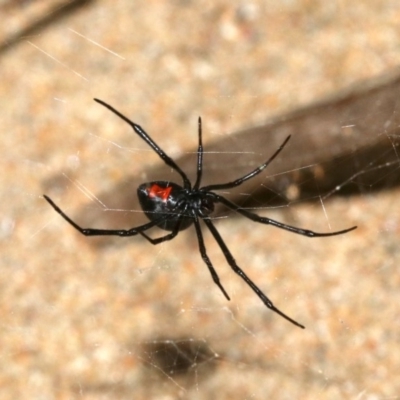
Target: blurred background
(83, 318)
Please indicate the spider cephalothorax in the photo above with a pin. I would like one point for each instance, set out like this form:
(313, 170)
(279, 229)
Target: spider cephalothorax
(174, 208)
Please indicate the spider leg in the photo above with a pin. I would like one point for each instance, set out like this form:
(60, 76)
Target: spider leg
(248, 176)
(199, 158)
(206, 259)
(231, 261)
(161, 239)
(104, 232)
(269, 221)
(142, 133)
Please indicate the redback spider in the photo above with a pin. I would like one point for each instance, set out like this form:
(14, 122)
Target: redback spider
(173, 207)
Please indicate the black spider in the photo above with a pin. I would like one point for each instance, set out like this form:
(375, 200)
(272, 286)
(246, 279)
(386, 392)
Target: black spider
(174, 208)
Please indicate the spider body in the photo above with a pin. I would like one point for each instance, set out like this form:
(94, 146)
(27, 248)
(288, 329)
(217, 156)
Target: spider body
(173, 208)
(162, 198)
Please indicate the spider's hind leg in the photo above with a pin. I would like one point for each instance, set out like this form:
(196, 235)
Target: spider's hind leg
(168, 236)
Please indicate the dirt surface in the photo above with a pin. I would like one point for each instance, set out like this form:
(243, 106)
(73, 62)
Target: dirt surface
(121, 319)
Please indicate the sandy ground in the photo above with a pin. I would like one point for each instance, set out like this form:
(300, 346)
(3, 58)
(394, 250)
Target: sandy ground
(121, 319)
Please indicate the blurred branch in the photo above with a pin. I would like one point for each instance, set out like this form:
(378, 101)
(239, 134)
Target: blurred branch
(21, 19)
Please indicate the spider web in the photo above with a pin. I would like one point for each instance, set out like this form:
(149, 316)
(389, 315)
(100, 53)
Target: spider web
(118, 318)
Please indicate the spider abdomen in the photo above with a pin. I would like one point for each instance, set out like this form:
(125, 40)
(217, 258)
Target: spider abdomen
(162, 198)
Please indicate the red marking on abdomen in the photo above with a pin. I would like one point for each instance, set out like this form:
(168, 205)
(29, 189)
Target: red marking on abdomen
(160, 192)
